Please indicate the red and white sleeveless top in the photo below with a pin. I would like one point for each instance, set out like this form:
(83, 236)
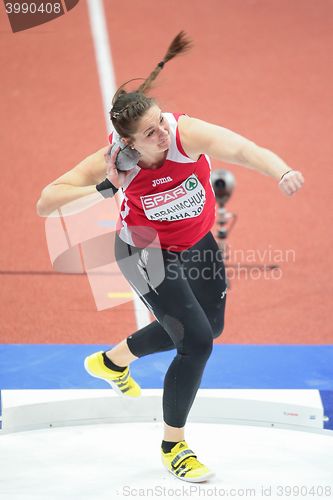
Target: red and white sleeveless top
(176, 202)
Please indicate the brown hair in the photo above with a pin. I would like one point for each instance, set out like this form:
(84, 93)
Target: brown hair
(129, 107)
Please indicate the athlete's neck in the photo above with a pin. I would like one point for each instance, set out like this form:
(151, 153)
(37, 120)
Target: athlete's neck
(152, 162)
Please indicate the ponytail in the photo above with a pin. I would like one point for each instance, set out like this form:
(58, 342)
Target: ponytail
(179, 45)
(129, 107)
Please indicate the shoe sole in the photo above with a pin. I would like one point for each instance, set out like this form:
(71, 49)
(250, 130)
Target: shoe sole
(200, 479)
(113, 385)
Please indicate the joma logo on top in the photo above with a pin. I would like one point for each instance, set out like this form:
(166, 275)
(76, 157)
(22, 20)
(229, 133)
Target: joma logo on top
(162, 180)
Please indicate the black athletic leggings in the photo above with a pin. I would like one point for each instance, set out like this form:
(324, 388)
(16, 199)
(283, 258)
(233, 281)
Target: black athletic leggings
(189, 307)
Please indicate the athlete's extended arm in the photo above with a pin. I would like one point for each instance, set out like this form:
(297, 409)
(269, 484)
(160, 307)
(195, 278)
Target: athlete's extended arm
(199, 137)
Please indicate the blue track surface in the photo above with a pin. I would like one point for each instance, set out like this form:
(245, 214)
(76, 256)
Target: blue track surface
(57, 366)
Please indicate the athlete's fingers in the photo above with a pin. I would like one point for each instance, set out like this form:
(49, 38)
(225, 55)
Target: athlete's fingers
(111, 169)
(299, 177)
(294, 185)
(111, 158)
(291, 182)
(296, 179)
(288, 189)
(114, 155)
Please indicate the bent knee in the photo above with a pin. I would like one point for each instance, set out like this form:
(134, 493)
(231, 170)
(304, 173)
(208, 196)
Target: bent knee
(199, 348)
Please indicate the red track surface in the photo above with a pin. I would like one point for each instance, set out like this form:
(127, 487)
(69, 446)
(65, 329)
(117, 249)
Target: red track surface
(262, 68)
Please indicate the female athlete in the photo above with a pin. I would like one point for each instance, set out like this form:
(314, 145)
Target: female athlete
(163, 244)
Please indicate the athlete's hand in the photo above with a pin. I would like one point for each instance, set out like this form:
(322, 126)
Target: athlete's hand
(112, 173)
(291, 182)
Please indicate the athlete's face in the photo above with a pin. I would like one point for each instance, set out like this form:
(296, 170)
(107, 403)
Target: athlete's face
(153, 134)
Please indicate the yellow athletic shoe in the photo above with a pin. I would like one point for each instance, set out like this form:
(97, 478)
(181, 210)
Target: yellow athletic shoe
(183, 463)
(121, 382)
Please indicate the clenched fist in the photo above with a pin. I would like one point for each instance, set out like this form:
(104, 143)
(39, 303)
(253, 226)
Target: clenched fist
(291, 182)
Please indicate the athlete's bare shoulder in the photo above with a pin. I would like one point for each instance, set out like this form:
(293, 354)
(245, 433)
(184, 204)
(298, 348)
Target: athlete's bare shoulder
(185, 125)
